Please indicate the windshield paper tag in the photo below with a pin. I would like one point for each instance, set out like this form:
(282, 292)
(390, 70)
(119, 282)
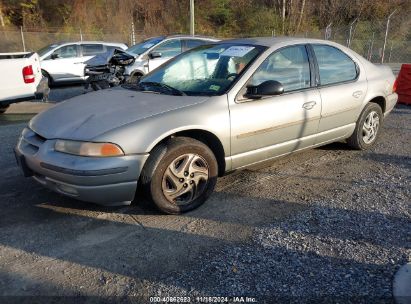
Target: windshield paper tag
(237, 51)
(214, 87)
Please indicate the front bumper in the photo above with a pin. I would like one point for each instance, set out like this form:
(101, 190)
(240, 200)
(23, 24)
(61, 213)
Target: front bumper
(106, 181)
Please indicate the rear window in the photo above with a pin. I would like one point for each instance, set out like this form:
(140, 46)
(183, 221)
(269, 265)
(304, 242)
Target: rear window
(92, 49)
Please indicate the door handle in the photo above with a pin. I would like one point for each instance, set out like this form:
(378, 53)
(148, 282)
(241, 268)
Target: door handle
(357, 94)
(78, 62)
(309, 105)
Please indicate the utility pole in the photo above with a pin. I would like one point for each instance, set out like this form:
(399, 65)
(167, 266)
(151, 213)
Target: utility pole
(192, 17)
(1, 17)
(22, 39)
(386, 35)
(133, 34)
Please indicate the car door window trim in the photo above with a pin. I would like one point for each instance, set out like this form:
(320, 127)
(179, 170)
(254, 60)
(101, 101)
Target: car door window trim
(63, 46)
(312, 86)
(154, 49)
(357, 68)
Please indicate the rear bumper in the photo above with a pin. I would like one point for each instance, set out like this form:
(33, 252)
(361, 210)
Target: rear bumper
(41, 93)
(105, 181)
(391, 100)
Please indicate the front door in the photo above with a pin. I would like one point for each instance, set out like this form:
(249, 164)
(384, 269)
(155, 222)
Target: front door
(275, 125)
(63, 63)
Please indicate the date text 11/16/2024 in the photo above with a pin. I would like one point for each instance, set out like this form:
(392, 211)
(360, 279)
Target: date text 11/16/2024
(204, 299)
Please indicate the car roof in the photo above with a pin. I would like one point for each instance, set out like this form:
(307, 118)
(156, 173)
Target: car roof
(192, 37)
(185, 36)
(88, 42)
(273, 41)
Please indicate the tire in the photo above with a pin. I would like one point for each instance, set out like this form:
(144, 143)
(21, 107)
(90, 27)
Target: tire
(3, 108)
(367, 130)
(162, 186)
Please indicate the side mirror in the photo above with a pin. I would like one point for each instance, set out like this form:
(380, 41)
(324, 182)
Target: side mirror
(54, 56)
(153, 55)
(266, 88)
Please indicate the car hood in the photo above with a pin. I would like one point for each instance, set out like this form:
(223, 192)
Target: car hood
(87, 116)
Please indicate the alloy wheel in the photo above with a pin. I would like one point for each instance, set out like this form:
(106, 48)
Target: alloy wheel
(185, 179)
(370, 127)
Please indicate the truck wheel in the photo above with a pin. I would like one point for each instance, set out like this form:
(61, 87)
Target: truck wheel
(3, 108)
(367, 129)
(179, 175)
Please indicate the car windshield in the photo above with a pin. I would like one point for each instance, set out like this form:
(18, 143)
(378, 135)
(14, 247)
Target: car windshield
(46, 49)
(143, 46)
(208, 70)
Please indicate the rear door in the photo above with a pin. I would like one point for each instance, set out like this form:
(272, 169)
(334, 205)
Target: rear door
(342, 87)
(168, 49)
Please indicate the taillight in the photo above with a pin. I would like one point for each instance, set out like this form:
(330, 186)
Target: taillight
(395, 85)
(28, 74)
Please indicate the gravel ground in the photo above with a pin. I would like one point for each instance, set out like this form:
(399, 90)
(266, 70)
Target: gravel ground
(346, 245)
(325, 225)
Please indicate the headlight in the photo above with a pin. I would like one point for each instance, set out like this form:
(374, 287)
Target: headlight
(88, 148)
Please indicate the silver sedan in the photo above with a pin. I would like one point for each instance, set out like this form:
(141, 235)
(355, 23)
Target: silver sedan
(213, 109)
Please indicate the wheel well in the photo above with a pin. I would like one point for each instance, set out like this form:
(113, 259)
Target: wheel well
(46, 74)
(208, 139)
(137, 72)
(380, 101)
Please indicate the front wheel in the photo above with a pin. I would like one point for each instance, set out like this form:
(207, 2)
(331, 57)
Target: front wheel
(368, 127)
(179, 175)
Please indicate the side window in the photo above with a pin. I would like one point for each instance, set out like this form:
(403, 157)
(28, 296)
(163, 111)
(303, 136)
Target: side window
(192, 43)
(334, 65)
(289, 66)
(169, 48)
(92, 49)
(68, 51)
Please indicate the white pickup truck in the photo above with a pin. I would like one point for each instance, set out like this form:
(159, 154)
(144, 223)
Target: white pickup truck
(21, 79)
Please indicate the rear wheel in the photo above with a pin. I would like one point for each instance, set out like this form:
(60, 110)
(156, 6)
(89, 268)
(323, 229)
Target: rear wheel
(3, 108)
(367, 129)
(179, 175)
